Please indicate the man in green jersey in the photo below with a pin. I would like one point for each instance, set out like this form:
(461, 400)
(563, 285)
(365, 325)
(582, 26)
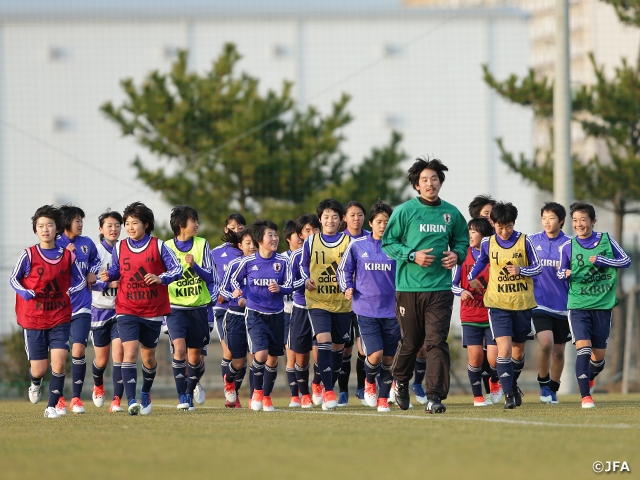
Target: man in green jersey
(427, 237)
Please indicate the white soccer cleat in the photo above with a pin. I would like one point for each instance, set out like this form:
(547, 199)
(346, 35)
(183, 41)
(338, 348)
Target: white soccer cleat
(198, 394)
(587, 402)
(392, 393)
(76, 405)
(35, 394)
(370, 394)
(295, 402)
(383, 405)
(479, 401)
(229, 391)
(316, 391)
(496, 392)
(145, 403)
(50, 412)
(488, 400)
(256, 400)
(97, 395)
(61, 406)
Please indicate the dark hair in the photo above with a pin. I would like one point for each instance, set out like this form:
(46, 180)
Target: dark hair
(180, 215)
(421, 164)
(504, 213)
(288, 229)
(258, 227)
(353, 203)
(143, 213)
(307, 219)
(69, 214)
(378, 208)
(478, 203)
(330, 204)
(48, 211)
(583, 207)
(481, 225)
(556, 208)
(109, 214)
(238, 219)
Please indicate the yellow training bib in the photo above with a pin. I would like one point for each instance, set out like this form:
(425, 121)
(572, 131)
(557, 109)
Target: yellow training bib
(322, 268)
(506, 291)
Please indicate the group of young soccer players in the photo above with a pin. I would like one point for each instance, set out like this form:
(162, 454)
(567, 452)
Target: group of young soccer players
(334, 289)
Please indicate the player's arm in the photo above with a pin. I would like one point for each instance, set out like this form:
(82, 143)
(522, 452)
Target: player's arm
(239, 276)
(21, 270)
(456, 274)
(171, 264)
(305, 261)
(459, 241)
(564, 270)
(620, 258)
(113, 272)
(393, 238)
(294, 263)
(225, 288)
(78, 280)
(482, 261)
(94, 259)
(205, 271)
(287, 287)
(346, 269)
(535, 267)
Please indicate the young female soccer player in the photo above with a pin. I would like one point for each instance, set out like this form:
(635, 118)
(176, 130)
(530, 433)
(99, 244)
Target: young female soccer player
(590, 262)
(221, 256)
(294, 242)
(145, 267)
(474, 316)
(550, 321)
(367, 277)
(189, 298)
(300, 339)
(509, 294)
(89, 262)
(354, 215)
(233, 325)
(104, 327)
(268, 279)
(44, 278)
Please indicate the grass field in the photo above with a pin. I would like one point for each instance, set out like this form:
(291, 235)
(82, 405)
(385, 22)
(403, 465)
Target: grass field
(534, 441)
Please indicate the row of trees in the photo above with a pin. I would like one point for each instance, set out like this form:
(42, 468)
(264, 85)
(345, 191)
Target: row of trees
(224, 146)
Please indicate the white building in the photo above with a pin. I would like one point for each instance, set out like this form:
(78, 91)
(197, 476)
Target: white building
(415, 70)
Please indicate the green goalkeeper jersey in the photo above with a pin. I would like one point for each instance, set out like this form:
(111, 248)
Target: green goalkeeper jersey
(415, 226)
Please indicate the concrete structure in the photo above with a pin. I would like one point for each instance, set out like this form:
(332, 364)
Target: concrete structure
(415, 70)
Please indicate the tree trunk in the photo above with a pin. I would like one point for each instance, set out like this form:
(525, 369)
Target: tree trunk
(618, 317)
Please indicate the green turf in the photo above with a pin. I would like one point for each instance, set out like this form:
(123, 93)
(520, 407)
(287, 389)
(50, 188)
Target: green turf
(534, 441)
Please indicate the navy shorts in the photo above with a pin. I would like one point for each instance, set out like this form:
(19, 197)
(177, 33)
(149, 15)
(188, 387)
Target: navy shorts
(379, 334)
(338, 324)
(192, 325)
(472, 336)
(591, 325)
(102, 336)
(265, 332)
(510, 323)
(354, 333)
(287, 326)
(235, 333)
(218, 318)
(147, 332)
(37, 343)
(299, 330)
(80, 328)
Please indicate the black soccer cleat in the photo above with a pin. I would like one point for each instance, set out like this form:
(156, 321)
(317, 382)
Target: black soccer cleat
(402, 395)
(509, 402)
(434, 405)
(517, 394)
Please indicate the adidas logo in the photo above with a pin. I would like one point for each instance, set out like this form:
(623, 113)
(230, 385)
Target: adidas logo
(477, 383)
(505, 374)
(582, 377)
(223, 255)
(254, 268)
(133, 380)
(330, 272)
(78, 382)
(293, 383)
(139, 275)
(346, 336)
(539, 247)
(179, 376)
(204, 339)
(420, 371)
(365, 255)
(156, 341)
(193, 378)
(148, 379)
(328, 369)
(56, 392)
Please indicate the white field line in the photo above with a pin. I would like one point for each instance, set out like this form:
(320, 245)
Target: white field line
(435, 418)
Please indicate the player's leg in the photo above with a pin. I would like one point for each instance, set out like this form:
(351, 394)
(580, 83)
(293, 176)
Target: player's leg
(117, 353)
(101, 339)
(80, 327)
(58, 360)
(581, 325)
(419, 371)
(177, 324)
(543, 329)
(372, 344)
(36, 346)
(473, 340)
(491, 354)
(197, 337)
(321, 326)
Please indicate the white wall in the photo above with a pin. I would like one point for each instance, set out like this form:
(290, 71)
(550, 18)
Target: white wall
(430, 90)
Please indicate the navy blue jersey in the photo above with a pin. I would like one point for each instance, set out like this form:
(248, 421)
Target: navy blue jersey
(296, 278)
(88, 260)
(221, 257)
